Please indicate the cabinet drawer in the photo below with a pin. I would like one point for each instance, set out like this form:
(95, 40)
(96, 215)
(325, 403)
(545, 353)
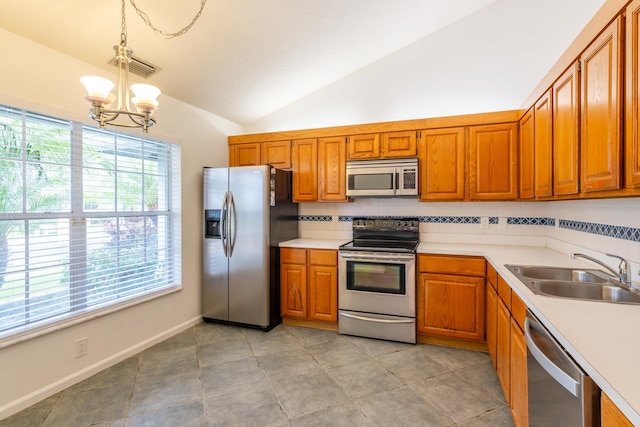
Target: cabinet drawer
(504, 290)
(323, 257)
(492, 276)
(293, 256)
(448, 264)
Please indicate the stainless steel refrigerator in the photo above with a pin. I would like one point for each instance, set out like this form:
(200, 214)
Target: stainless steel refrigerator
(247, 213)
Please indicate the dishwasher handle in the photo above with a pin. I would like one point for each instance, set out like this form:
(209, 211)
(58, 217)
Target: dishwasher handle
(565, 380)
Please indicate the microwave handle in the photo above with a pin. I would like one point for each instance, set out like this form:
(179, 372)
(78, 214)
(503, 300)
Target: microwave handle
(396, 186)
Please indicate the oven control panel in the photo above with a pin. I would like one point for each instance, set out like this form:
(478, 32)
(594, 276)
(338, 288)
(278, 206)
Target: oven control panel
(389, 224)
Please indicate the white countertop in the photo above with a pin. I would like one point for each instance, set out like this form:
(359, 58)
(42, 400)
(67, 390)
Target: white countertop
(604, 338)
(314, 243)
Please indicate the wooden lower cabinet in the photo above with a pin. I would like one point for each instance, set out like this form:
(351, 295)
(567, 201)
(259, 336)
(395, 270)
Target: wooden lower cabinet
(451, 305)
(518, 376)
(507, 346)
(610, 414)
(492, 322)
(503, 347)
(309, 284)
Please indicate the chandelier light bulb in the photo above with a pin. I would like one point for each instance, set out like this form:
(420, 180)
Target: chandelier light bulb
(145, 96)
(98, 89)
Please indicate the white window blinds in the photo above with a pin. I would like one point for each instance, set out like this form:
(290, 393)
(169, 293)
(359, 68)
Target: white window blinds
(89, 219)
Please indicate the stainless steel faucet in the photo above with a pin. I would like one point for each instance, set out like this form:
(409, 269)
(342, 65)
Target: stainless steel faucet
(624, 270)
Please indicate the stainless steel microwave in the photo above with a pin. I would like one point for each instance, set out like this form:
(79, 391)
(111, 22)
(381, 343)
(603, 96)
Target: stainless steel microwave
(378, 178)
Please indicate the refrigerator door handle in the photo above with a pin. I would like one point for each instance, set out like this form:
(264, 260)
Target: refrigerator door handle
(223, 225)
(231, 224)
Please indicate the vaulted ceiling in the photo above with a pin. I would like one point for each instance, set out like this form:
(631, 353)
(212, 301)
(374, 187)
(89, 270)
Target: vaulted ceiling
(244, 59)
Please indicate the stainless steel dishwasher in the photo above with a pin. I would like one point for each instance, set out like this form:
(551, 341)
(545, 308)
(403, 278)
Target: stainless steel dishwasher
(560, 393)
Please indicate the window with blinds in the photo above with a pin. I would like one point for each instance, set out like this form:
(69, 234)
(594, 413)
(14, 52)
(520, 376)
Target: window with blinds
(89, 219)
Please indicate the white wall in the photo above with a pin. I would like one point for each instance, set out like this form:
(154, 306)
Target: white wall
(476, 65)
(43, 80)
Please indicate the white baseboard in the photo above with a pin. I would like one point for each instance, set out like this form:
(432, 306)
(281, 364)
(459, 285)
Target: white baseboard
(63, 383)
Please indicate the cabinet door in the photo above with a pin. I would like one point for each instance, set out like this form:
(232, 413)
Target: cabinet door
(399, 144)
(632, 108)
(601, 111)
(277, 154)
(610, 414)
(493, 163)
(527, 160)
(332, 164)
(566, 126)
(293, 290)
(452, 306)
(304, 159)
(244, 155)
(492, 331)
(323, 293)
(364, 146)
(543, 151)
(518, 377)
(503, 347)
(442, 167)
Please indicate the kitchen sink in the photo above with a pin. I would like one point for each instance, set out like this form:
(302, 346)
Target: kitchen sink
(560, 273)
(574, 283)
(609, 292)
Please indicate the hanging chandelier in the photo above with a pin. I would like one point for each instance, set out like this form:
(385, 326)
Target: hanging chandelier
(144, 101)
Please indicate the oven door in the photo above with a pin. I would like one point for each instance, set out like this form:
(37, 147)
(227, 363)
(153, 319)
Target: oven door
(377, 282)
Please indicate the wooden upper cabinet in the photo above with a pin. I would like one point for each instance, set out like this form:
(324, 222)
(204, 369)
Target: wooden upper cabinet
(244, 155)
(527, 160)
(398, 144)
(632, 107)
(364, 146)
(332, 159)
(276, 154)
(383, 145)
(304, 161)
(493, 162)
(543, 146)
(566, 132)
(442, 164)
(601, 111)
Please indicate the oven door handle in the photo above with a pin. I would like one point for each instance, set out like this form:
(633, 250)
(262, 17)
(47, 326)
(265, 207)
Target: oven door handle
(376, 257)
(371, 319)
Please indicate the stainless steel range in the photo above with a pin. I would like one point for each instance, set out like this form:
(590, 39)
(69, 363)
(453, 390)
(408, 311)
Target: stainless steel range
(376, 282)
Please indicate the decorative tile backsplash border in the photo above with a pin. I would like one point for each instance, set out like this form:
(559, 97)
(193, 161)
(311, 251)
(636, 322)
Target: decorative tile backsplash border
(440, 219)
(616, 231)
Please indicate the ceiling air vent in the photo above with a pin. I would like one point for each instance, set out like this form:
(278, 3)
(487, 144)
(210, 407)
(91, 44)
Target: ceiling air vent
(139, 67)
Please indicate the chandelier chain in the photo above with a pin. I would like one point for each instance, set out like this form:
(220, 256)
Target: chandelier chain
(167, 35)
(123, 34)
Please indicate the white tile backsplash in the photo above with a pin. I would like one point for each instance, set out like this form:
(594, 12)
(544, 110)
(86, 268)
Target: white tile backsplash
(614, 212)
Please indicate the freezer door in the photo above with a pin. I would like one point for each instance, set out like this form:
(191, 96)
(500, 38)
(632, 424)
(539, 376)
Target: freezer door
(215, 273)
(249, 299)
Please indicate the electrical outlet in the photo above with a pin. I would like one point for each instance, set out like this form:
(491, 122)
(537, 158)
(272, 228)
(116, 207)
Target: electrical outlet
(484, 222)
(502, 223)
(82, 347)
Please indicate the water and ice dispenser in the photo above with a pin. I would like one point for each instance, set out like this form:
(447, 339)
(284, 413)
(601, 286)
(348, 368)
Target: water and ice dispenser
(212, 228)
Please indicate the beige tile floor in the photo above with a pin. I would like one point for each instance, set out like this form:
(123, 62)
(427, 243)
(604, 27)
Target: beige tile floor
(216, 375)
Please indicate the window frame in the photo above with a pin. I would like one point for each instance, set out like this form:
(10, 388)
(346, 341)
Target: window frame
(78, 217)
